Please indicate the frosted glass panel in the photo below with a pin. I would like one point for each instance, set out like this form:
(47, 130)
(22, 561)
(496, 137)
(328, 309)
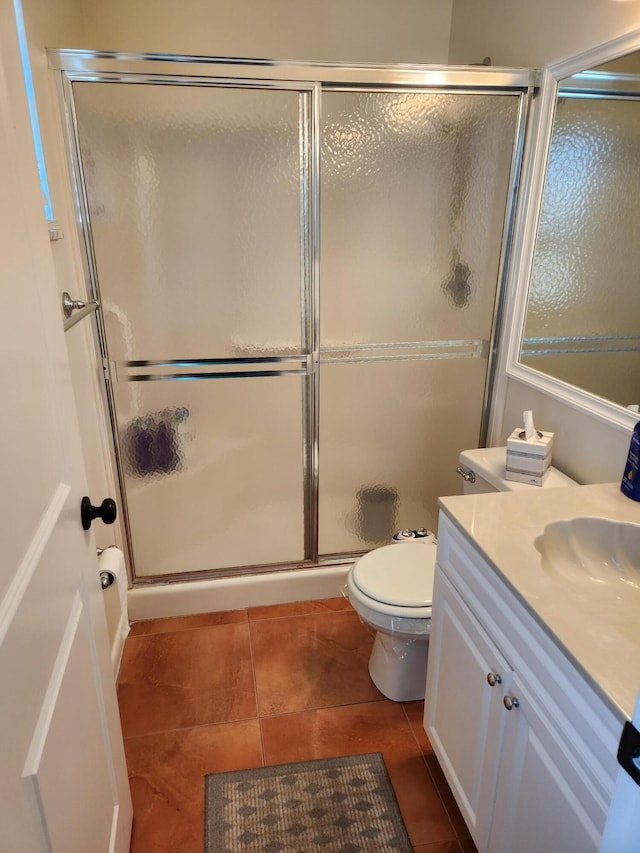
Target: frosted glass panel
(414, 188)
(195, 203)
(213, 472)
(585, 273)
(390, 436)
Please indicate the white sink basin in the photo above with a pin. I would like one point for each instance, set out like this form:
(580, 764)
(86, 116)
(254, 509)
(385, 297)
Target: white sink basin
(592, 550)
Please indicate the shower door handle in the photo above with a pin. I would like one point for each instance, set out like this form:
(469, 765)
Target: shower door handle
(107, 511)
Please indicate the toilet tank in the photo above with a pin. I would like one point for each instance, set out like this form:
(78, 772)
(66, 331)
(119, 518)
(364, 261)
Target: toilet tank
(488, 466)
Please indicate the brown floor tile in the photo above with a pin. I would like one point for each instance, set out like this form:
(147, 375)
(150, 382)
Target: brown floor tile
(186, 623)
(313, 661)
(455, 816)
(299, 608)
(186, 678)
(167, 771)
(180, 674)
(371, 727)
(414, 712)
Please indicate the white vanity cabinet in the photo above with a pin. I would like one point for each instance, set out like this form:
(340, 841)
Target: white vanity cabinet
(526, 744)
(545, 799)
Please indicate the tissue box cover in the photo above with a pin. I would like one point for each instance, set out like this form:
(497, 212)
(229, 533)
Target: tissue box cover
(537, 465)
(537, 447)
(530, 479)
(528, 461)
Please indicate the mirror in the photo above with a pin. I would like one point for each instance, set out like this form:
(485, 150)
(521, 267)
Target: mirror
(581, 325)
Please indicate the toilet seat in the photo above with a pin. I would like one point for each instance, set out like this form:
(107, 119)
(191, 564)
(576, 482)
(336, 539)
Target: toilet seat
(396, 580)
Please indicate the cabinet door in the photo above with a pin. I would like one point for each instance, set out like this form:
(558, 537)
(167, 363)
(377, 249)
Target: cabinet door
(544, 800)
(464, 714)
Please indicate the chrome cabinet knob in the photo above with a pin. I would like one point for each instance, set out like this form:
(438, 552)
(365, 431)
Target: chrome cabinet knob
(494, 678)
(510, 702)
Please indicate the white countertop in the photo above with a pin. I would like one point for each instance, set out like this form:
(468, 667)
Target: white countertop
(599, 629)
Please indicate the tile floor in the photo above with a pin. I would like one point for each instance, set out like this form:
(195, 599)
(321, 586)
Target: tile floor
(267, 685)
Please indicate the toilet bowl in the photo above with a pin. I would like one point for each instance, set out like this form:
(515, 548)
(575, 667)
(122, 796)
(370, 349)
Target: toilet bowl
(391, 587)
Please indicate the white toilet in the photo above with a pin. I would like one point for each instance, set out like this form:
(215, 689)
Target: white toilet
(391, 587)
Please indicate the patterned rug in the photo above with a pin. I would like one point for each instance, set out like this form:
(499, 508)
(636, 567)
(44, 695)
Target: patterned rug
(343, 805)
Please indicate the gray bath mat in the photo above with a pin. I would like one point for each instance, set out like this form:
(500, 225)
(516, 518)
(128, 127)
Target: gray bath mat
(341, 804)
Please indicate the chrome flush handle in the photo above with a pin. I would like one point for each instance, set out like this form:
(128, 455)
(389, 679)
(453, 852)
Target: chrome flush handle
(467, 476)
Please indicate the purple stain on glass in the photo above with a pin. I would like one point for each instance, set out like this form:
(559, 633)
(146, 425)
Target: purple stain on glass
(152, 443)
(143, 447)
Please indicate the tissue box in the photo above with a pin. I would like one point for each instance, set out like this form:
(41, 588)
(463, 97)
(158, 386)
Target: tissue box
(529, 479)
(528, 461)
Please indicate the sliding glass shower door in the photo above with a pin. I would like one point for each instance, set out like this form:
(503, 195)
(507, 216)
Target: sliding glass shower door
(197, 198)
(298, 296)
(414, 192)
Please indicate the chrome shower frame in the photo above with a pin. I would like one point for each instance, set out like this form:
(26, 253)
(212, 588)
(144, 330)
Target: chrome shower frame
(310, 79)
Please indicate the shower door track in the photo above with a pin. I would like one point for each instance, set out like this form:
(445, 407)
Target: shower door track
(309, 79)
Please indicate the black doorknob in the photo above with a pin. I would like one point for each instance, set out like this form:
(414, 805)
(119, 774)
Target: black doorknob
(107, 511)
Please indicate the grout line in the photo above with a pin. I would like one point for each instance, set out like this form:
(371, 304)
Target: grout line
(246, 610)
(173, 630)
(295, 711)
(431, 776)
(442, 799)
(157, 732)
(415, 737)
(255, 690)
(253, 620)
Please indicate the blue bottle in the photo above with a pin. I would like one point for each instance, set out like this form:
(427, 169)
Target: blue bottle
(630, 485)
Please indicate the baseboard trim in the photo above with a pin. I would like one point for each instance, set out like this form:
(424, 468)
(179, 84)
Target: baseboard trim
(236, 593)
(117, 647)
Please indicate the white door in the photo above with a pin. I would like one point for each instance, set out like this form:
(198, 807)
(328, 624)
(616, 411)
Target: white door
(63, 780)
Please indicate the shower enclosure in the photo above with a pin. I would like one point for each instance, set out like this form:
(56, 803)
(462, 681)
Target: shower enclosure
(298, 269)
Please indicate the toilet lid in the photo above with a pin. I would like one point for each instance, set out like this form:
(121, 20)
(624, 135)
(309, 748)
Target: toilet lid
(398, 574)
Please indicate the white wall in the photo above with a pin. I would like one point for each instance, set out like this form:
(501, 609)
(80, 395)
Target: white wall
(535, 34)
(49, 23)
(328, 30)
